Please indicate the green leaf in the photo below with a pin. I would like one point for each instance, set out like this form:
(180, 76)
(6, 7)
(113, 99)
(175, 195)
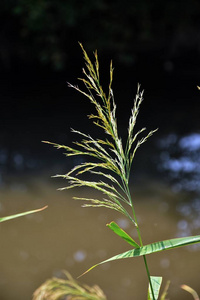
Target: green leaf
(120, 232)
(152, 248)
(21, 214)
(156, 284)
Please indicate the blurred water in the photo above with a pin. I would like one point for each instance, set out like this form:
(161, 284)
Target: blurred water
(180, 158)
(66, 236)
(180, 162)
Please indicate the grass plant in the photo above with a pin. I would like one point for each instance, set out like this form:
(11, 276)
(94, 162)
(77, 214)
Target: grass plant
(57, 289)
(110, 161)
(7, 218)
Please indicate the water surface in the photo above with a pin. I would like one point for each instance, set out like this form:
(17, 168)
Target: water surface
(66, 236)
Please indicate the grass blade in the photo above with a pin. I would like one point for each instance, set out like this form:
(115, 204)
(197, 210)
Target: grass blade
(120, 232)
(156, 284)
(22, 214)
(164, 293)
(152, 248)
(191, 291)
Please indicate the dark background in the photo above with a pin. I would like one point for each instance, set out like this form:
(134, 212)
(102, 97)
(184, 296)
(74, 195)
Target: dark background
(155, 43)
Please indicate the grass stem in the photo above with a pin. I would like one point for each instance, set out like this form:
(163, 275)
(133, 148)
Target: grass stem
(149, 277)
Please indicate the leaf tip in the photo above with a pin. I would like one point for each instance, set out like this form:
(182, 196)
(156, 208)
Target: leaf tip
(87, 271)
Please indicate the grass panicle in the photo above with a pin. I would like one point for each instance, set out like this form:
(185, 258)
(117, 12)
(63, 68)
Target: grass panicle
(59, 289)
(111, 161)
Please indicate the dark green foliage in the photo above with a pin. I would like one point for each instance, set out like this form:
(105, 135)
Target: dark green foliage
(47, 30)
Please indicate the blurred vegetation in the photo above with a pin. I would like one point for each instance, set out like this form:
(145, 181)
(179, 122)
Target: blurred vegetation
(47, 31)
(67, 289)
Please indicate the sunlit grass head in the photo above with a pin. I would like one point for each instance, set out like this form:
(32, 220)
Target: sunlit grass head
(110, 160)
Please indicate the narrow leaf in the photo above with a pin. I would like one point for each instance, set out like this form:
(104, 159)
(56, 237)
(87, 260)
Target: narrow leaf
(191, 291)
(152, 248)
(164, 293)
(120, 232)
(156, 284)
(22, 214)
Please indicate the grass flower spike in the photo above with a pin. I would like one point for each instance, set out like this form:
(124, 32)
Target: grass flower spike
(110, 160)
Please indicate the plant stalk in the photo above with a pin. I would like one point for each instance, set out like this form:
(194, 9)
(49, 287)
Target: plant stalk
(149, 277)
(140, 239)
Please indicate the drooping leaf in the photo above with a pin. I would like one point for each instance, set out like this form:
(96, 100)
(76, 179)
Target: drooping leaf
(156, 284)
(191, 291)
(120, 232)
(152, 248)
(21, 214)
